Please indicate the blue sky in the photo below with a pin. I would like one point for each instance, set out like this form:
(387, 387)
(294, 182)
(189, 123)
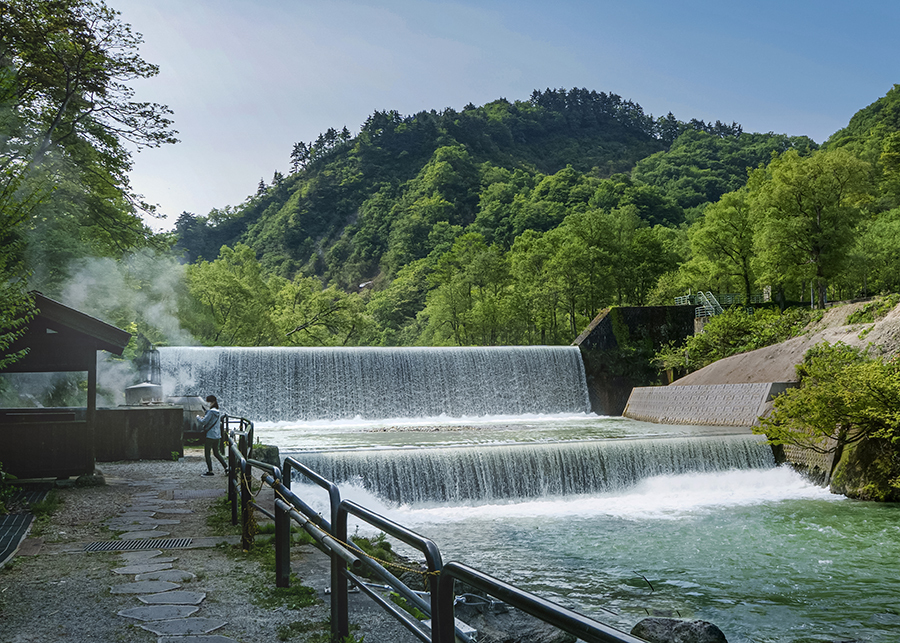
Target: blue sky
(249, 78)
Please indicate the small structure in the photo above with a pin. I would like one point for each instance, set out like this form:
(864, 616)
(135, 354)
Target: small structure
(617, 347)
(57, 442)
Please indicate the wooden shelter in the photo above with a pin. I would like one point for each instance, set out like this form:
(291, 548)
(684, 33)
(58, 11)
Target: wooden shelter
(57, 442)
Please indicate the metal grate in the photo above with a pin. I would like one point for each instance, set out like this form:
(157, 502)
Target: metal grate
(136, 545)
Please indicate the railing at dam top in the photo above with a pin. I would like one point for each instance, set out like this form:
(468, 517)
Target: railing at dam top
(349, 562)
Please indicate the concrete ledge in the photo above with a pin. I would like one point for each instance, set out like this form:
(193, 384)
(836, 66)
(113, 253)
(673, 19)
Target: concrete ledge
(719, 405)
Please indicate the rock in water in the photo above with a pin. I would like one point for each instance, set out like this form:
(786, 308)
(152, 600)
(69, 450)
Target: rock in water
(509, 625)
(671, 630)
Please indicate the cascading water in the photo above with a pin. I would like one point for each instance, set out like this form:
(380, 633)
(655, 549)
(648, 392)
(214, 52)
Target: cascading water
(585, 510)
(515, 472)
(287, 384)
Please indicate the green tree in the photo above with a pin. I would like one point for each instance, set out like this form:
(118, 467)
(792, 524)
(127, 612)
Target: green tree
(468, 303)
(66, 115)
(877, 254)
(735, 331)
(236, 300)
(808, 209)
(844, 397)
(722, 240)
(305, 314)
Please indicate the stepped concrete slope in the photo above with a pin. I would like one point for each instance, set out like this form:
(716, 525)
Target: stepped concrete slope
(718, 405)
(737, 390)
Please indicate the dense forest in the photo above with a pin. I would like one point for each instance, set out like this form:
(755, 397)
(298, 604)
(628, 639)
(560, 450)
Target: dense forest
(513, 222)
(517, 222)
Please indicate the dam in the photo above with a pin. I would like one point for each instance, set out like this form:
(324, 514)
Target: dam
(611, 516)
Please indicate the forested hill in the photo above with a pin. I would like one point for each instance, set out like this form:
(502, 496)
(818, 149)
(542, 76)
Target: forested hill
(359, 208)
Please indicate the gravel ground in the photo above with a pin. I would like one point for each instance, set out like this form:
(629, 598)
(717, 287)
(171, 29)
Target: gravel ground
(63, 593)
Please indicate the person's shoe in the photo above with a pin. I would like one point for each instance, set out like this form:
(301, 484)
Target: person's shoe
(207, 474)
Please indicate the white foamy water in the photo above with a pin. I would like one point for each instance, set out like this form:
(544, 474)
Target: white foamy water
(669, 497)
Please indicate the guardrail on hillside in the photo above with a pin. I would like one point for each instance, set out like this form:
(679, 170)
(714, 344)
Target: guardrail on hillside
(349, 562)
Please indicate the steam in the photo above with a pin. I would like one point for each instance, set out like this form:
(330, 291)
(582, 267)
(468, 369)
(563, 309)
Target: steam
(139, 293)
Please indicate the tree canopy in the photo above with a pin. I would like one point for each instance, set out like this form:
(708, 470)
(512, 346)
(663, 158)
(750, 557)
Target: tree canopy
(67, 117)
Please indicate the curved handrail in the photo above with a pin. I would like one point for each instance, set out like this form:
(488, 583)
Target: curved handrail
(332, 537)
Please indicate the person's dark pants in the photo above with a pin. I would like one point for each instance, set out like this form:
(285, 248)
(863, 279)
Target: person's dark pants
(211, 445)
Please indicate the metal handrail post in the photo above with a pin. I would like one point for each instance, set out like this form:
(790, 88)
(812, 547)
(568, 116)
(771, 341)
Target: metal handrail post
(411, 538)
(337, 565)
(246, 496)
(232, 473)
(340, 600)
(282, 541)
(586, 629)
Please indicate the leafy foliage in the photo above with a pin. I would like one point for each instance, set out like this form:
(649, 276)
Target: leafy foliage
(735, 331)
(7, 490)
(807, 209)
(874, 310)
(844, 395)
(559, 231)
(239, 305)
(67, 119)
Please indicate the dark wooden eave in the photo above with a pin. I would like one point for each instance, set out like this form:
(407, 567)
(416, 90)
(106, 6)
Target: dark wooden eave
(60, 338)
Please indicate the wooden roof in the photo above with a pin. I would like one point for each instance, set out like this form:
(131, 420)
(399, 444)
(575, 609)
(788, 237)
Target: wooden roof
(60, 338)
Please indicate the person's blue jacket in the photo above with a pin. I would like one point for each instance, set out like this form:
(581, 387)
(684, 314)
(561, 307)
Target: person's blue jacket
(209, 423)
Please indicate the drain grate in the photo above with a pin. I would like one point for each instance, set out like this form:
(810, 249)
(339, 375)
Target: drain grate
(137, 545)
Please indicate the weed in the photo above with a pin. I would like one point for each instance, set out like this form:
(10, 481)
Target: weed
(219, 518)
(6, 489)
(42, 511)
(874, 310)
(47, 506)
(378, 547)
(299, 536)
(403, 604)
(317, 632)
(295, 597)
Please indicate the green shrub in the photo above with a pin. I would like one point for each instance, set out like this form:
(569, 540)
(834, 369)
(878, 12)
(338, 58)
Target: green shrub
(737, 330)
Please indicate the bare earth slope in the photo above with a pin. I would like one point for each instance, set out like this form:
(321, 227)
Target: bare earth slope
(776, 363)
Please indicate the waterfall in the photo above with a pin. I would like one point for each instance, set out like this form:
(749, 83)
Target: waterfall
(287, 384)
(490, 473)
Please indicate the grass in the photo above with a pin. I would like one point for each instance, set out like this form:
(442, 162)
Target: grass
(874, 310)
(42, 512)
(295, 597)
(315, 631)
(262, 552)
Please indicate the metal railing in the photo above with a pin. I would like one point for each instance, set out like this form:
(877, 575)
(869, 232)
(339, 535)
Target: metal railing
(707, 303)
(349, 562)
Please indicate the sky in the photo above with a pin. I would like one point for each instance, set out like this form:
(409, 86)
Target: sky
(246, 79)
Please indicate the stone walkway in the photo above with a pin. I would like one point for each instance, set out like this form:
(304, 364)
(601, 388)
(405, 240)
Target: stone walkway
(167, 610)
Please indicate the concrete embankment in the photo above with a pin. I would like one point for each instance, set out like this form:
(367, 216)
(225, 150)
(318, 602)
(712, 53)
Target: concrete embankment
(725, 405)
(720, 404)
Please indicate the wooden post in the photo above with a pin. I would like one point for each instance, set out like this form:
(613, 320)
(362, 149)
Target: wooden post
(91, 412)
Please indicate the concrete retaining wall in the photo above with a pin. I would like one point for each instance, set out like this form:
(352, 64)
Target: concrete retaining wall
(719, 405)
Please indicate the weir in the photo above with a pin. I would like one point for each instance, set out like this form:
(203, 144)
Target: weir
(287, 384)
(520, 471)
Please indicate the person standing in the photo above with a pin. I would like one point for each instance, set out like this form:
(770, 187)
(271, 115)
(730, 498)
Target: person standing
(210, 424)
